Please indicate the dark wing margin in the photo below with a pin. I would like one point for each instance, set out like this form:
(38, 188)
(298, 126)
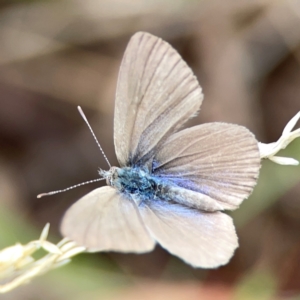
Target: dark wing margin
(219, 160)
(156, 94)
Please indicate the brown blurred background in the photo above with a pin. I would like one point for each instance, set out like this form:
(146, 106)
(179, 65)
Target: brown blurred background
(57, 54)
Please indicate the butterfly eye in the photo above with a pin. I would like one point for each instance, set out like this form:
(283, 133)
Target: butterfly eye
(111, 176)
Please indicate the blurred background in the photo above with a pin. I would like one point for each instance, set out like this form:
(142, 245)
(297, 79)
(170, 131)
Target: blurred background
(57, 54)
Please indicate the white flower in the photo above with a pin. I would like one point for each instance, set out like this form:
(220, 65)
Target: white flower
(17, 266)
(269, 150)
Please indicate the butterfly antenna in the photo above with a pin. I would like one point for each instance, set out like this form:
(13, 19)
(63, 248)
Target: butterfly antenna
(69, 188)
(89, 126)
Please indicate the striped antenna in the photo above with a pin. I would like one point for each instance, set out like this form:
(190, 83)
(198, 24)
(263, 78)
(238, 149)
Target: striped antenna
(69, 188)
(89, 126)
(86, 182)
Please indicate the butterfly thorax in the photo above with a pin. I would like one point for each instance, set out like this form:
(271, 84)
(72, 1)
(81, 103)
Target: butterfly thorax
(135, 182)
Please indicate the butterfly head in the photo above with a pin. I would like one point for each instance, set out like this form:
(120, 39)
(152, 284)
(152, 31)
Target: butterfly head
(111, 175)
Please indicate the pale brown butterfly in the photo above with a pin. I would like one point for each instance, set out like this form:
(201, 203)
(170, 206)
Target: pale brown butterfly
(171, 187)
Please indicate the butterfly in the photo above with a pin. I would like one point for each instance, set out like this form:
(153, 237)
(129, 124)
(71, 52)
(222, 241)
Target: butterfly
(172, 185)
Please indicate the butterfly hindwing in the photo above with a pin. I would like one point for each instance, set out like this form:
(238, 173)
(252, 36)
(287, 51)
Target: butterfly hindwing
(200, 238)
(219, 160)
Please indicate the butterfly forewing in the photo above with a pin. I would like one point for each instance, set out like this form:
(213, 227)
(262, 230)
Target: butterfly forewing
(104, 220)
(219, 160)
(201, 239)
(156, 93)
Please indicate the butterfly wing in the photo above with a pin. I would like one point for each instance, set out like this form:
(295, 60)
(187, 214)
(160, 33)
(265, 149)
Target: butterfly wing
(201, 239)
(106, 220)
(218, 160)
(156, 93)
